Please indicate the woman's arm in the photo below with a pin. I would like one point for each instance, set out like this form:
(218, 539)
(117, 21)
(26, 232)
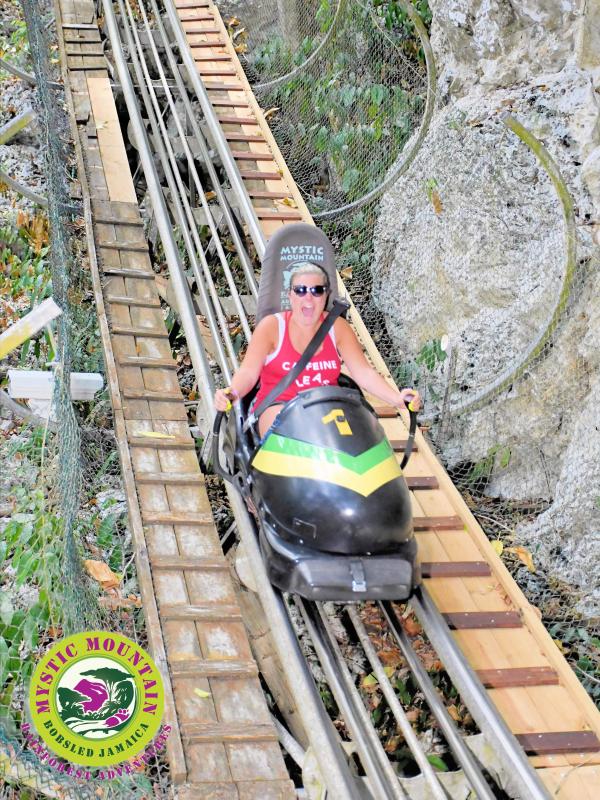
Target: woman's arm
(263, 342)
(364, 374)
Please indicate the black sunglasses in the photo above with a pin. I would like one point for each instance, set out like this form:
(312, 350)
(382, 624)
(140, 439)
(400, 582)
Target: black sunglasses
(316, 291)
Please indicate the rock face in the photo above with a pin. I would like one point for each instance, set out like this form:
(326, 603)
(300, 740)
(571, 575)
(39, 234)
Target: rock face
(471, 243)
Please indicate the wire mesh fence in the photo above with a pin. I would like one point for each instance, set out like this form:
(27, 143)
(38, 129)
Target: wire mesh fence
(68, 512)
(471, 265)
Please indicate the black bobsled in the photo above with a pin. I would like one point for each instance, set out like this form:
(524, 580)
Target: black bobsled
(332, 507)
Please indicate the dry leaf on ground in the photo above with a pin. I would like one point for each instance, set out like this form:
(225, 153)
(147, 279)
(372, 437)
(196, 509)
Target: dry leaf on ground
(101, 573)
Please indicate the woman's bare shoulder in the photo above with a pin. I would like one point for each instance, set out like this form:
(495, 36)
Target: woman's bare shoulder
(267, 330)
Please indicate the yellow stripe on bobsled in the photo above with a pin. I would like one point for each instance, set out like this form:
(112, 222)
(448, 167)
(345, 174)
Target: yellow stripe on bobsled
(289, 466)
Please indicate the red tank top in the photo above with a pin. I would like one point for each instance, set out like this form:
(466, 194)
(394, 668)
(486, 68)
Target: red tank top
(322, 370)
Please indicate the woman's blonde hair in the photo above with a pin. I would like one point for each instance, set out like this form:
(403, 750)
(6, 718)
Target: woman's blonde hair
(308, 268)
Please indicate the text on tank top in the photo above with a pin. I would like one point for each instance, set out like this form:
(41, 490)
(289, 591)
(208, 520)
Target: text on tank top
(322, 370)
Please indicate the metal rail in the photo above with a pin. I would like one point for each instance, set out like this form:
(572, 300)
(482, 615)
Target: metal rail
(382, 781)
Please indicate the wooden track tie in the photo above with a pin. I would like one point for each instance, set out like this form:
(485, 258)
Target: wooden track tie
(213, 43)
(87, 67)
(77, 26)
(147, 361)
(421, 482)
(438, 523)
(542, 744)
(225, 102)
(177, 518)
(475, 620)
(251, 175)
(267, 214)
(102, 220)
(244, 155)
(195, 564)
(206, 72)
(197, 18)
(216, 57)
(123, 272)
(399, 445)
(161, 444)
(259, 193)
(455, 569)
(517, 676)
(232, 136)
(86, 53)
(207, 668)
(208, 612)
(237, 120)
(386, 412)
(170, 479)
(202, 732)
(193, 31)
(193, 4)
(123, 300)
(150, 333)
(134, 247)
(147, 394)
(83, 39)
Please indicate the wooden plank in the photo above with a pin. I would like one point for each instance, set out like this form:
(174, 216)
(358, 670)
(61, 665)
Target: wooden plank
(170, 479)
(233, 119)
(107, 220)
(146, 361)
(243, 155)
(122, 272)
(253, 175)
(463, 620)
(209, 72)
(211, 43)
(399, 445)
(179, 562)
(454, 569)
(134, 247)
(147, 394)
(90, 66)
(233, 136)
(196, 18)
(226, 102)
(553, 743)
(450, 523)
(220, 732)
(261, 194)
(209, 612)
(120, 300)
(132, 330)
(86, 53)
(566, 783)
(83, 26)
(267, 214)
(421, 482)
(386, 412)
(214, 57)
(110, 141)
(172, 518)
(517, 676)
(189, 31)
(161, 444)
(213, 668)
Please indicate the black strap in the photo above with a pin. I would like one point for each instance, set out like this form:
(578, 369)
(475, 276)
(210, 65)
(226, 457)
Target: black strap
(338, 308)
(411, 438)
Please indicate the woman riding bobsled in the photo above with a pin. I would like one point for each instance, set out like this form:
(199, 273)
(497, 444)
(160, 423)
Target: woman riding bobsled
(310, 456)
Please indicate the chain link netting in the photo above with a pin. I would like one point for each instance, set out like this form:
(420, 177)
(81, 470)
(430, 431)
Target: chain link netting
(471, 267)
(68, 509)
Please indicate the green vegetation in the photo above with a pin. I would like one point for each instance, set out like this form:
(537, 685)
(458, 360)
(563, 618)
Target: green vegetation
(337, 113)
(14, 45)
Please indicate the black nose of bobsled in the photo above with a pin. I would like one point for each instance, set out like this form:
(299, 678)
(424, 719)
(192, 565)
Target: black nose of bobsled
(326, 477)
